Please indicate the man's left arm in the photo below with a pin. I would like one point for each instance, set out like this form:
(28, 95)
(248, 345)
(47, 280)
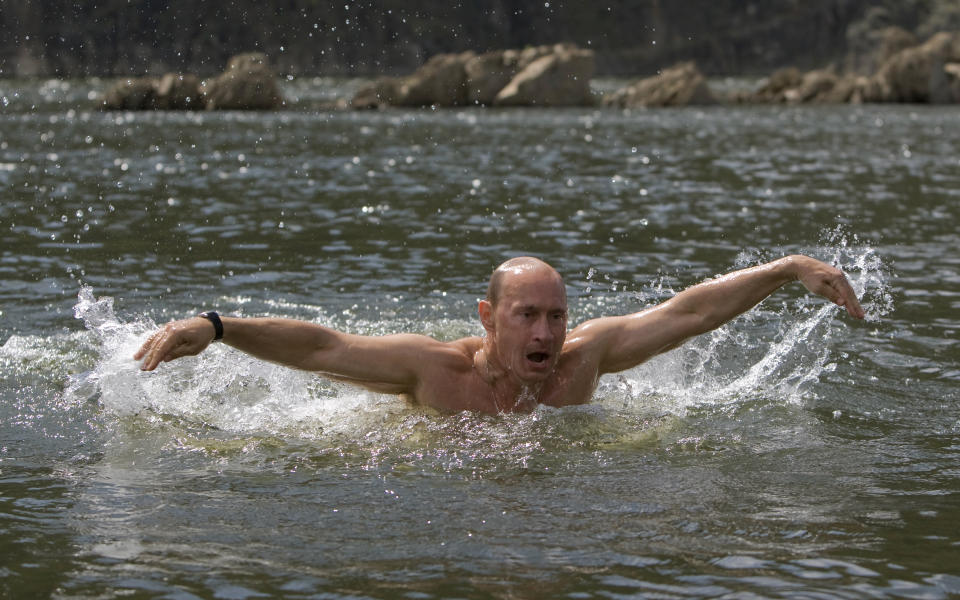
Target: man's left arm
(626, 341)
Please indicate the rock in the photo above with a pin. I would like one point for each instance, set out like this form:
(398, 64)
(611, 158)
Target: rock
(951, 73)
(131, 94)
(441, 81)
(179, 92)
(488, 73)
(870, 49)
(526, 57)
(468, 78)
(919, 74)
(890, 41)
(814, 87)
(945, 85)
(820, 86)
(247, 84)
(381, 92)
(774, 90)
(680, 85)
(844, 91)
(561, 78)
(867, 90)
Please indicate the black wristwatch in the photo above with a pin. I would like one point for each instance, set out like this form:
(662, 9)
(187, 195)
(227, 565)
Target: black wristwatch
(214, 318)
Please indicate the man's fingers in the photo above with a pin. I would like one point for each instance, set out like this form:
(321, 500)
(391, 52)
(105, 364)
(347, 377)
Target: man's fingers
(145, 347)
(152, 355)
(158, 347)
(846, 297)
(175, 340)
(833, 285)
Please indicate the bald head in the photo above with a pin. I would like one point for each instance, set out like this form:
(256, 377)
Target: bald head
(515, 267)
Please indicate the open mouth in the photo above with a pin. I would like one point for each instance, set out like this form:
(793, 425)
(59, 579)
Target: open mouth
(538, 357)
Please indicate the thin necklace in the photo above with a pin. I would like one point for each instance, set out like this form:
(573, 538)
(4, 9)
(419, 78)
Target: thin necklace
(491, 381)
(488, 377)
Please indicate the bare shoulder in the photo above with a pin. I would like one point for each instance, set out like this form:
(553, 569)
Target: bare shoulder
(616, 343)
(429, 353)
(586, 342)
(594, 333)
(460, 352)
(423, 347)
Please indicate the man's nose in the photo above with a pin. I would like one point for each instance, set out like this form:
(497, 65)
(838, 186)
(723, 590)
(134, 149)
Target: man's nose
(541, 329)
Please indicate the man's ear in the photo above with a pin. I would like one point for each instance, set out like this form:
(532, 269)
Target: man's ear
(486, 314)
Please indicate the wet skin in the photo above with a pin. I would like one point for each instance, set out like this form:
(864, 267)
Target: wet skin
(526, 356)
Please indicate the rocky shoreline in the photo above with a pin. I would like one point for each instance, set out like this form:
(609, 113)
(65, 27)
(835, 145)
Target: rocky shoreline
(904, 71)
(248, 83)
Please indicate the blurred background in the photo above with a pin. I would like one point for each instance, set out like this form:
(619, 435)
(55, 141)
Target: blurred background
(56, 38)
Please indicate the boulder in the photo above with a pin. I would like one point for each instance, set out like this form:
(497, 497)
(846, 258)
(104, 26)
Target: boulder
(131, 94)
(920, 73)
(680, 85)
(468, 78)
(844, 91)
(815, 86)
(526, 57)
(776, 86)
(890, 41)
(867, 90)
(488, 73)
(381, 92)
(871, 48)
(561, 78)
(178, 92)
(441, 81)
(247, 84)
(951, 72)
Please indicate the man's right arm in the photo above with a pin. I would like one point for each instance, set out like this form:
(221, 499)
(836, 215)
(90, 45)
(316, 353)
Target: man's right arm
(391, 360)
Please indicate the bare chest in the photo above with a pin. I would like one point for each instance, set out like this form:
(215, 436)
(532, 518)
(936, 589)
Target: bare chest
(467, 390)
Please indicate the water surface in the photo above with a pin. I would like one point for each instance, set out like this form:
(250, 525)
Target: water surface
(793, 453)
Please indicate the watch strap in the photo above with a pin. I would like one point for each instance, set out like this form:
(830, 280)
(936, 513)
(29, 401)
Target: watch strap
(214, 318)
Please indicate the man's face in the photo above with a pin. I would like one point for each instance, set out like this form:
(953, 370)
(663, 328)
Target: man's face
(530, 324)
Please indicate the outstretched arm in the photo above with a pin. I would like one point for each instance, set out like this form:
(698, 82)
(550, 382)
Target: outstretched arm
(624, 342)
(387, 362)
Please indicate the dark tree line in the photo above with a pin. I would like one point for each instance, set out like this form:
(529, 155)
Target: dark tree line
(116, 37)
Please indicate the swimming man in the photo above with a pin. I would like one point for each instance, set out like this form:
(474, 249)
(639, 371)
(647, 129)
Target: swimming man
(527, 356)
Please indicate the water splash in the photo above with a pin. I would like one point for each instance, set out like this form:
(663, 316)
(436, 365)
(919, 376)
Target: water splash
(776, 354)
(221, 389)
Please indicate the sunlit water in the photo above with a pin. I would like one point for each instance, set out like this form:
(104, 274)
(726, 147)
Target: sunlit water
(793, 453)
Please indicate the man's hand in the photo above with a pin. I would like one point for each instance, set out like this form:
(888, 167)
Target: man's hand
(829, 282)
(188, 337)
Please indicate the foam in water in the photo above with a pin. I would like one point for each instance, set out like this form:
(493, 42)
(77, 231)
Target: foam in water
(774, 354)
(222, 388)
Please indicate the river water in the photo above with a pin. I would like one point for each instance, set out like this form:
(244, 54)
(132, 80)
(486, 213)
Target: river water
(793, 453)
